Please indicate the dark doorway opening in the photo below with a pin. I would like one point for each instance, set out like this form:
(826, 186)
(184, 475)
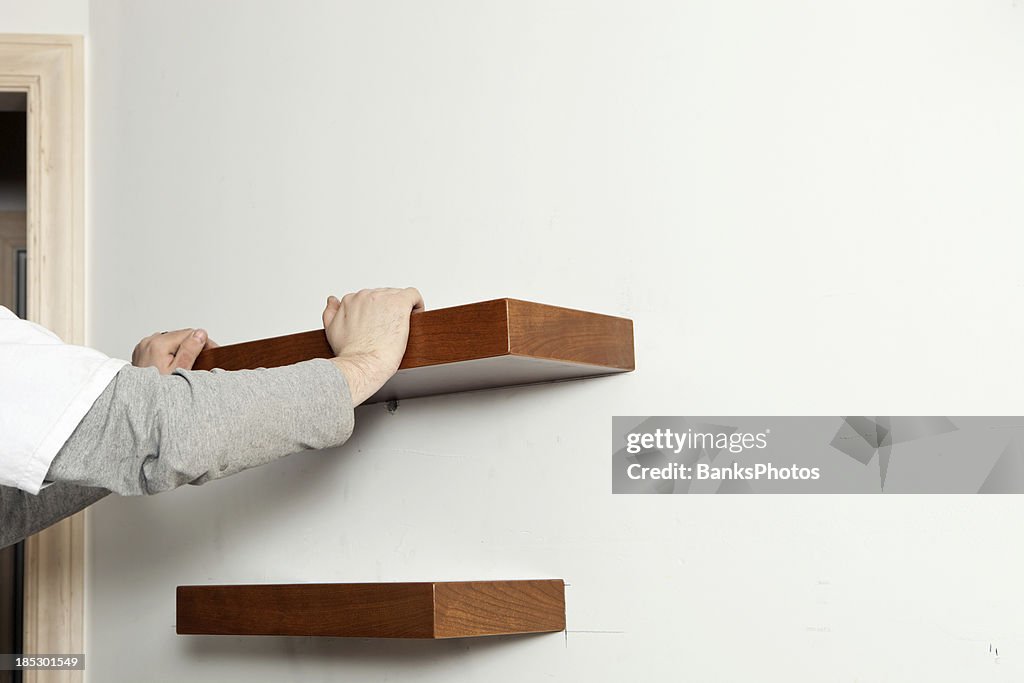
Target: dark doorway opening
(13, 295)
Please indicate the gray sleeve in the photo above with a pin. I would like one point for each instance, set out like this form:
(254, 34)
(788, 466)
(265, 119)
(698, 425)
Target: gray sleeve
(149, 433)
(25, 514)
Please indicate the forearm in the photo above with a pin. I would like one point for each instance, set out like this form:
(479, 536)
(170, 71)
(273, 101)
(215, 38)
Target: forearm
(149, 433)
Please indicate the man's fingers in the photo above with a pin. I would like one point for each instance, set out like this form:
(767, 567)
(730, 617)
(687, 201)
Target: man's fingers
(189, 349)
(210, 344)
(170, 341)
(333, 304)
(415, 298)
(367, 297)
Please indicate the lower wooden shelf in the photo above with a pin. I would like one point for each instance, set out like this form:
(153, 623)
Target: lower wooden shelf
(432, 609)
(499, 343)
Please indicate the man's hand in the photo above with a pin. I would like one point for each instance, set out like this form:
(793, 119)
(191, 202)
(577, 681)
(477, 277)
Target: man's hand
(368, 332)
(169, 351)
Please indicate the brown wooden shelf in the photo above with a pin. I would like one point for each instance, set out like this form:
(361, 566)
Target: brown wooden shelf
(433, 609)
(504, 342)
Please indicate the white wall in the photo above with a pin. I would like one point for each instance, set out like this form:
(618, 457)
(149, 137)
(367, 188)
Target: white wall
(44, 16)
(807, 208)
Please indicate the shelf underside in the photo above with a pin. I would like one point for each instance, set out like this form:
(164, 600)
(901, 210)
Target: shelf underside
(482, 373)
(449, 609)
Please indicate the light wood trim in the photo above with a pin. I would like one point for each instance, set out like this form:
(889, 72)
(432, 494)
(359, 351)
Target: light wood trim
(50, 70)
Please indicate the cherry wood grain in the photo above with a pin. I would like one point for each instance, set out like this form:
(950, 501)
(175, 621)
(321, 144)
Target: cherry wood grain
(573, 344)
(454, 609)
(568, 335)
(483, 608)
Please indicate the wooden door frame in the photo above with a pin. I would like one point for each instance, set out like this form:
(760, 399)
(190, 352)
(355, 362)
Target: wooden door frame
(49, 69)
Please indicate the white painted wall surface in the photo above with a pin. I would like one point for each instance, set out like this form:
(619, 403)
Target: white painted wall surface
(44, 16)
(807, 208)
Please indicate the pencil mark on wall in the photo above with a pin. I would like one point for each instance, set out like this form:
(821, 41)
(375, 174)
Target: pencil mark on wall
(413, 451)
(600, 632)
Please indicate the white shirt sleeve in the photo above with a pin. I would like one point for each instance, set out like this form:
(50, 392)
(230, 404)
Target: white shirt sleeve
(46, 388)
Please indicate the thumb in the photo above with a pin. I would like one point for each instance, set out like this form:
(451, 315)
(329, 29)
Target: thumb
(189, 350)
(333, 304)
